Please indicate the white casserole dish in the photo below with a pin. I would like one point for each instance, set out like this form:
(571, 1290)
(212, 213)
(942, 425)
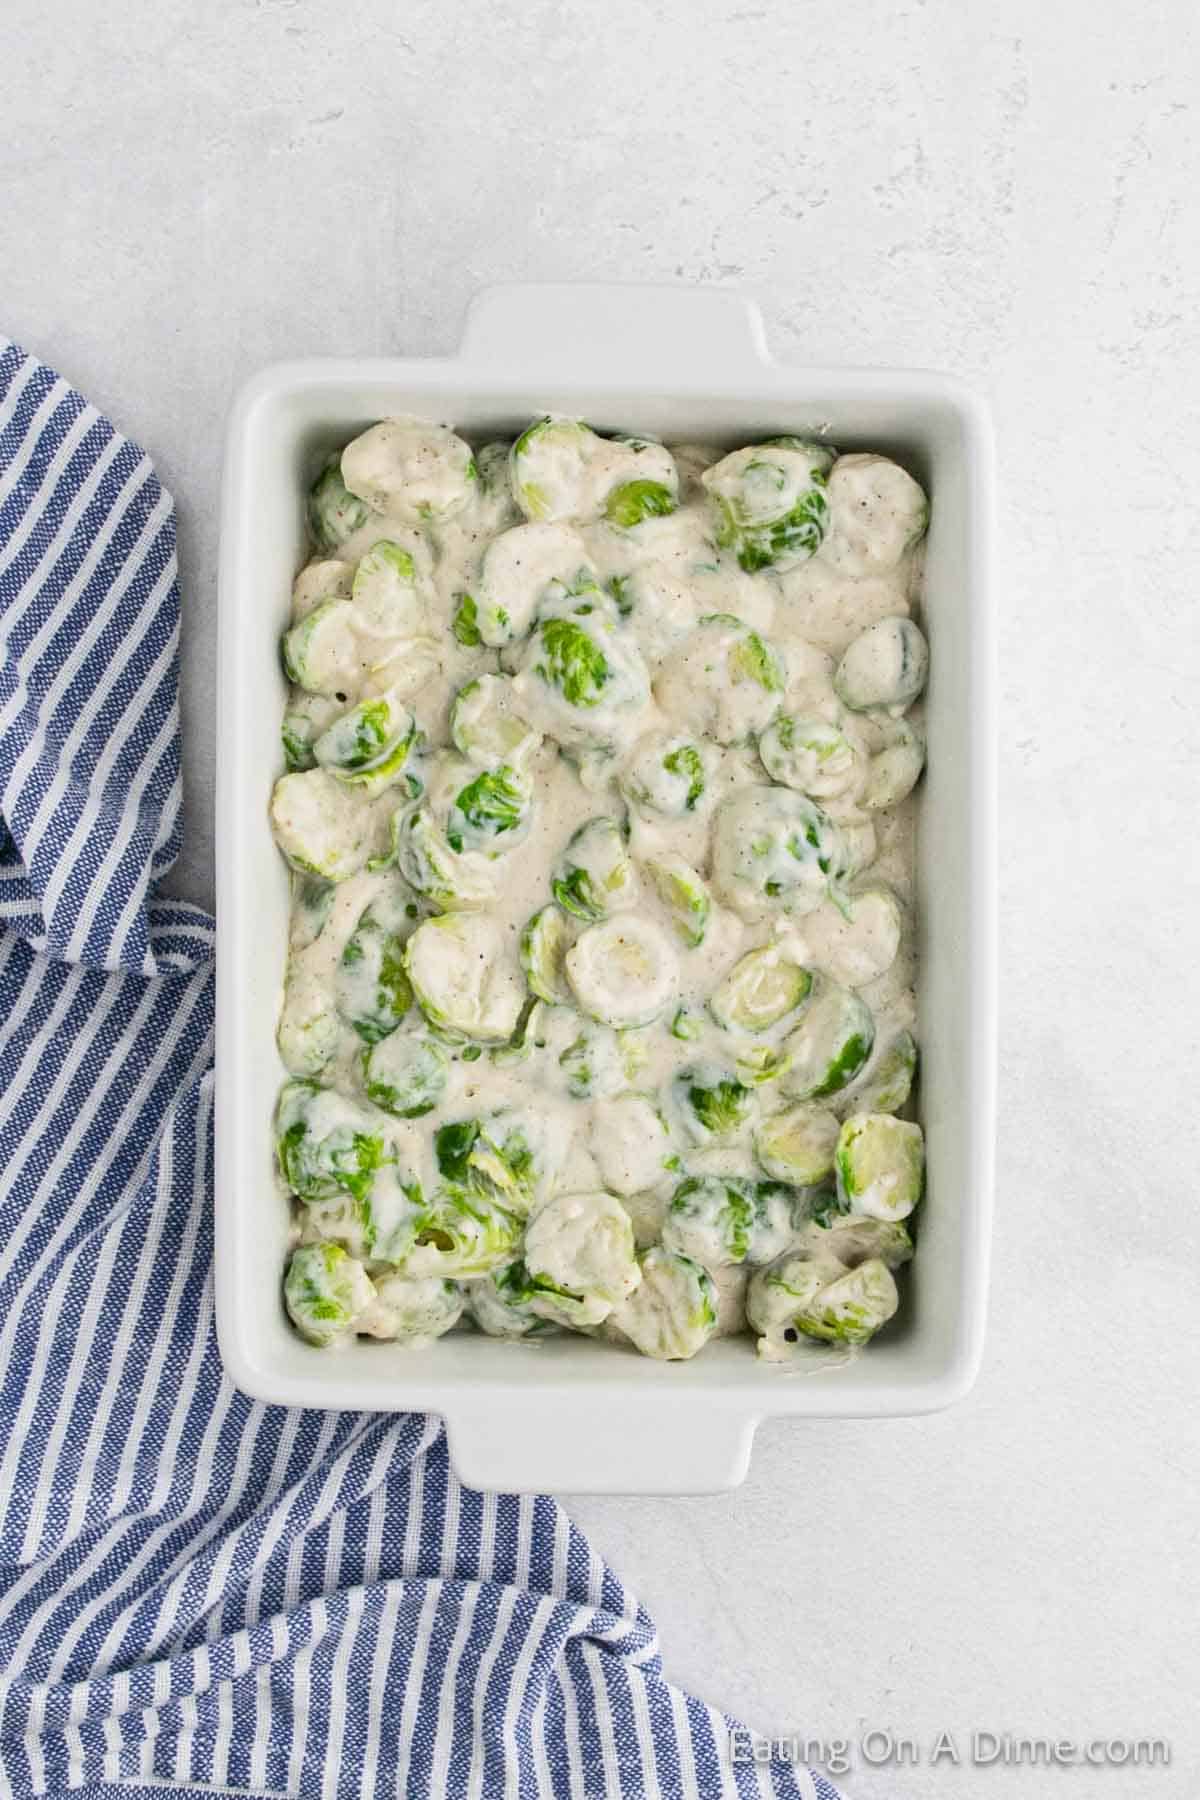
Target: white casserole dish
(570, 1415)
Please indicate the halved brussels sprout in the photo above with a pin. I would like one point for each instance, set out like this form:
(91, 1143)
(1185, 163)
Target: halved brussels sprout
(413, 1310)
(544, 943)
(321, 827)
(597, 1063)
(582, 674)
(491, 813)
(672, 1313)
(326, 1292)
(380, 1227)
(458, 966)
(465, 1233)
(372, 989)
(411, 469)
(887, 1080)
(623, 971)
(720, 1220)
(877, 512)
(810, 755)
(775, 851)
(322, 579)
(309, 1032)
(770, 502)
(761, 989)
(582, 1245)
(885, 666)
(457, 882)
(305, 718)
(880, 1165)
(312, 904)
(326, 1145)
(803, 1295)
(631, 1144)
(633, 501)
(857, 941)
(405, 1074)
(522, 566)
(486, 727)
(722, 680)
(511, 1156)
(368, 746)
(855, 1241)
(385, 597)
(499, 1304)
(334, 513)
(687, 1025)
(830, 1044)
(798, 1145)
(894, 771)
(683, 893)
(548, 467)
(321, 654)
(669, 774)
(595, 875)
(712, 1104)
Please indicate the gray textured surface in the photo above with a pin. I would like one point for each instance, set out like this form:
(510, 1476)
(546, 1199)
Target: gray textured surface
(1006, 191)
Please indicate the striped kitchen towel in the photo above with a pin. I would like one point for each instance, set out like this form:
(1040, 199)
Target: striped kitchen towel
(199, 1593)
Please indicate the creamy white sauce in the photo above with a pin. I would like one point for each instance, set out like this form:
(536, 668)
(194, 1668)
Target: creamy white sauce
(604, 1076)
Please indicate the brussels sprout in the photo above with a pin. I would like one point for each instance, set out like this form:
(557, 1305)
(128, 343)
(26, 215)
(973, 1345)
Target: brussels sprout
(413, 1310)
(544, 944)
(597, 1063)
(687, 1025)
(860, 846)
(465, 1233)
(719, 1220)
(321, 653)
(894, 771)
(491, 465)
(669, 775)
(723, 680)
(320, 827)
(595, 875)
(334, 513)
(798, 1145)
(711, 1103)
(548, 466)
(510, 1157)
(312, 904)
(373, 992)
(853, 1308)
(760, 989)
(815, 1297)
(456, 882)
(775, 851)
(630, 1144)
(582, 1245)
(459, 971)
(886, 665)
(499, 1304)
(770, 502)
(887, 1080)
(858, 941)
(379, 1227)
(387, 604)
(405, 1074)
(369, 746)
(326, 1292)
(465, 624)
(582, 673)
(684, 895)
(634, 501)
(623, 971)
(491, 813)
(520, 568)
(880, 1165)
(309, 1033)
(854, 1241)
(320, 580)
(326, 1144)
(487, 729)
(672, 1313)
(809, 755)
(877, 512)
(830, 1044)
(297, 734)
(785, 1289)
(411, 469)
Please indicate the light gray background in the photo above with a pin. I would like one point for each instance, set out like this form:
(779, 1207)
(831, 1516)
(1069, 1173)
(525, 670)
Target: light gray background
(1004, 190)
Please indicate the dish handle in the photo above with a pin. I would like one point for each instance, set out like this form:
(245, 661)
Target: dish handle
(552, 1443)
(626, 332)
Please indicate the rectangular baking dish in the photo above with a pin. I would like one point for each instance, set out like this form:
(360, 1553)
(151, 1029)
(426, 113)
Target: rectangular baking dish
(681, 363)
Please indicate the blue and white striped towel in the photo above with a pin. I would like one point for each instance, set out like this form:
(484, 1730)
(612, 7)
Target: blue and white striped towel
(198, 1592)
